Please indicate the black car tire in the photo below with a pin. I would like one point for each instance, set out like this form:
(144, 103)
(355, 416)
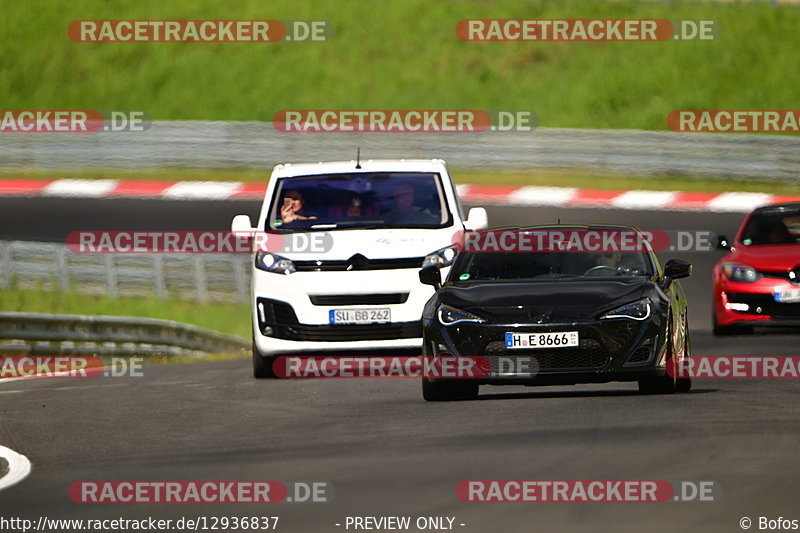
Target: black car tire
(667, 384)
(448, 390)
(262, 365)
(685, 384)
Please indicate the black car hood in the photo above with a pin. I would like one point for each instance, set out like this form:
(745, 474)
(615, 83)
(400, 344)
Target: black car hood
(556, 301)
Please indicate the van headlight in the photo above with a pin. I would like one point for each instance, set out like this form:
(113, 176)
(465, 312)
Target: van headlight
(440, 258)
(449, 315)
(270, 262)
(639, 310)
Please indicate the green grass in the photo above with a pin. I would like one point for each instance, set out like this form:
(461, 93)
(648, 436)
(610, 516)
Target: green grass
(581, 178)
(396, 54)
(233, 319)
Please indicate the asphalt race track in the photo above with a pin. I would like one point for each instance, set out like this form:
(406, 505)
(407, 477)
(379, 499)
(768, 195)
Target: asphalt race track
(386, 451)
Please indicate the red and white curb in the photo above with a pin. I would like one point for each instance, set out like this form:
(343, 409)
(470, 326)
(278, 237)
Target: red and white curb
(487, 194)
(18, 467)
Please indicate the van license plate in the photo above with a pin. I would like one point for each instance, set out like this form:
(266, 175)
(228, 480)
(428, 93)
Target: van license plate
(378, 315)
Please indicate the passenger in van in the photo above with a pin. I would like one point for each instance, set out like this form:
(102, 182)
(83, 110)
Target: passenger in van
(354, 209)
(293, 209)
(405, 211)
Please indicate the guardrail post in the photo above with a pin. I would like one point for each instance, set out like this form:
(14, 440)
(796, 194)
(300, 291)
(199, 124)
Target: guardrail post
(61, 269)
(111, 275)
(201, 288)
(158, 276)
(240, 276)
(5, 275)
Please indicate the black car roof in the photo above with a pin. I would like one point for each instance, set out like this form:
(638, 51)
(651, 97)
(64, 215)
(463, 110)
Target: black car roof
(777, 207)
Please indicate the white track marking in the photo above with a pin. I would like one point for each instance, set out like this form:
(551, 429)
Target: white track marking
(80, 188)
(18, 467)
(201, 190)
(644, 199)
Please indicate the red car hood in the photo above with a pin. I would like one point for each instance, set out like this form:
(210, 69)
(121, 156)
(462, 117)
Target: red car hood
(767, 256)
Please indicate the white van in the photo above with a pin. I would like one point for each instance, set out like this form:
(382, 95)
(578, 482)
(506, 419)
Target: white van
(353, 236)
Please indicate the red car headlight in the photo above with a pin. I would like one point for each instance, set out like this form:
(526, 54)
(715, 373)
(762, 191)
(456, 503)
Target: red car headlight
(740, 272)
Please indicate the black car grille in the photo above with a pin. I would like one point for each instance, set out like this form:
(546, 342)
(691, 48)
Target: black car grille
(357, 262)
(641, 355)
(767, 304)
(589, 355)
(359, 299)
(283, 324)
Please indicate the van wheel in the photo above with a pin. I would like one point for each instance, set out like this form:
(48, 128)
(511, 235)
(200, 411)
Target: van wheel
(448, 390)
(262, 365)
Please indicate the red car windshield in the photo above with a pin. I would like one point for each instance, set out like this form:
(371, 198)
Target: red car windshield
(780, 225)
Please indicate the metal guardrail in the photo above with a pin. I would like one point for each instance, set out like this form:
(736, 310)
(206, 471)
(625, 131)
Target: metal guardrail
(206, 144)
(197, 277)
(47, 334)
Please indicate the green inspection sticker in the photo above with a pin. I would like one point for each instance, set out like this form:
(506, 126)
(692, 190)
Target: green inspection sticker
(463, 276)
(278, 223)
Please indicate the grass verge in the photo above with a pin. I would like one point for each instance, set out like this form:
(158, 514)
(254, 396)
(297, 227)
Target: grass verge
(233, 319)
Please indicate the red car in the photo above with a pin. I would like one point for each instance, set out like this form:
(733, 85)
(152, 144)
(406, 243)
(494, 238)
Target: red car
(758, 282)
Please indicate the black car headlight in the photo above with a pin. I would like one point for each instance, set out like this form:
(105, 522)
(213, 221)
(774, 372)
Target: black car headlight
(270, 262)
(449, 315)
(740, 272)
(440, 258)
(638, 310)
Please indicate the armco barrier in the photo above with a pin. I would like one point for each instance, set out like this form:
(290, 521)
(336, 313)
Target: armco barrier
(197, 277)
(206, 144)
(49, 334)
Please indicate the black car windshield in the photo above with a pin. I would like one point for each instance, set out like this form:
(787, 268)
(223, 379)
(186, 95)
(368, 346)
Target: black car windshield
(548, 266)
(779, 225)
(341, 201)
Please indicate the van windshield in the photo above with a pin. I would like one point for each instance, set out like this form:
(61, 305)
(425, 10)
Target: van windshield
(343, 201)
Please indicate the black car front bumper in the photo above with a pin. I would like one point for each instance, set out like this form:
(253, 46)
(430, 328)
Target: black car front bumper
(609, 350)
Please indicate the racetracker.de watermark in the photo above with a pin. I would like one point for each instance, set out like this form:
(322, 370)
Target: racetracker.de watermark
(586, 490)
(72, 121)
(403, 120)
(587, 30)
(195, 242)
(734, 121)
(198, 31)
(447, 367)
(204, 492)
(68, 366)
(534, 240)
(735, 366)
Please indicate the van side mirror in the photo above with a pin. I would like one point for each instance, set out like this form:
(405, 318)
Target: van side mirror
(241, 224)
(477, 219)
(430, 275)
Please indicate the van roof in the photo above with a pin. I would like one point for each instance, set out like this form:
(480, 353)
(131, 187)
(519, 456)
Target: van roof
(367, 166)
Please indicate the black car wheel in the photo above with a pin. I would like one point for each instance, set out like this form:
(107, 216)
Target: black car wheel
(262, 366)
(667, 384)
(685, 384)
(448, 390)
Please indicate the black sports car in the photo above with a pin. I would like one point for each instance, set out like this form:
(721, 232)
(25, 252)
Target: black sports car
(555, 317)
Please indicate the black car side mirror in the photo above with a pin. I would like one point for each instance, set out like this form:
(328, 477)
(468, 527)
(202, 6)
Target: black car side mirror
(430, 275)
(723, 243)
(677, 269)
